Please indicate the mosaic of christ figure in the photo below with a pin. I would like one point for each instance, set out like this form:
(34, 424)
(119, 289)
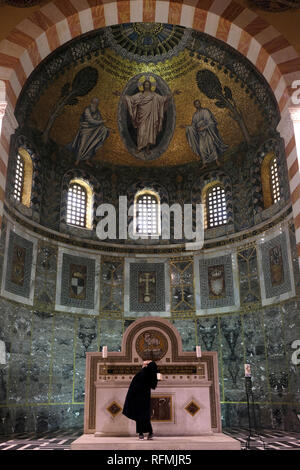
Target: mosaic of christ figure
(147, 109)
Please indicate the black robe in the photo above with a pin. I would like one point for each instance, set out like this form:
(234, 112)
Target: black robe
(137, 402)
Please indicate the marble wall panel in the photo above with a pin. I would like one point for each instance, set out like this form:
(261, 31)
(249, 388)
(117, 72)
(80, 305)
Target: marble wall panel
(111, 331)
(232, 357)
(87, 338)
(62, 359)
(187, 331)
(20, 336)
(256, 354)
(40, 357)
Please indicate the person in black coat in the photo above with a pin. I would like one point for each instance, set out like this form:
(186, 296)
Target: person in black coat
(137, 402)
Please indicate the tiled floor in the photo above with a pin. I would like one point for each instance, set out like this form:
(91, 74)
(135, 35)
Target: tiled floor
(61, 440)
(266, 440)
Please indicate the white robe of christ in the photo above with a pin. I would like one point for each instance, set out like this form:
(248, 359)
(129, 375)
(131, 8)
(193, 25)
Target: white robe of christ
(146, 110)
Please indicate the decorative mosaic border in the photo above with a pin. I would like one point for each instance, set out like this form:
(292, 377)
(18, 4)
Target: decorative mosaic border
(272, 294)
(10, 290)
(231, 301)
(63, 302)
(131, 305)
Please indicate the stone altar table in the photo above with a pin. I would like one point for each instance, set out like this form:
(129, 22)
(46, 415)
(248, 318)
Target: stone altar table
(185, 403)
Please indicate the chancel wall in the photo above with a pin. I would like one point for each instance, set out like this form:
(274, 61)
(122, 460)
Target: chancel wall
(241, 300)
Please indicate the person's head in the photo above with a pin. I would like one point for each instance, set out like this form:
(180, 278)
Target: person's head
(147, 85)
(94, 103)
(197, 104)
(146, 363)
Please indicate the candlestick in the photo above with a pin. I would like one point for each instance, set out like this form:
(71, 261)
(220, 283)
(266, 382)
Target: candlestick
(104, 352)
(247, 370)
(198, 351)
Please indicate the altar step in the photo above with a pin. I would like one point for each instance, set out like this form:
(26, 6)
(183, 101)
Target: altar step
(217, 441)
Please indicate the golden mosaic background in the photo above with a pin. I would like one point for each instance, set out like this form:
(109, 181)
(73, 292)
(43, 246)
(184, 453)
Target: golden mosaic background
(114, 73)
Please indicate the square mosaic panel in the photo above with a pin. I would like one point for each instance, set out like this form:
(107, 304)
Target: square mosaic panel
(147, 287)
(18, 267)
(77, 283)
(216, 282)
(276, 267)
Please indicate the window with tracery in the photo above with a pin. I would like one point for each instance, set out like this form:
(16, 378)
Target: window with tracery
(215, 207)
(79, 204)
(270, 180)
(274, 177)
(147, 213)
(19, 178)
(23, 178)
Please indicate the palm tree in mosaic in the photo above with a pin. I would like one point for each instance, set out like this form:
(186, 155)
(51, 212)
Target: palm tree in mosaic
(84, 81)
(209, 84)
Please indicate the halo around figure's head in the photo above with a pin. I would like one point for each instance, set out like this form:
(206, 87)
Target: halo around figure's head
(144, 79)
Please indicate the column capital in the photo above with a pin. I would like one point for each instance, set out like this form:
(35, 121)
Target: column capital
(295, 113)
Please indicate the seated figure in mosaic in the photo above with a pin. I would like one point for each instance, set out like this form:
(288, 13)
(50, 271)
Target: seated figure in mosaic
(91, 135)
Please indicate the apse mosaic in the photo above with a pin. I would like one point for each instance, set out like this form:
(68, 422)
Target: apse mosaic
(146, 94)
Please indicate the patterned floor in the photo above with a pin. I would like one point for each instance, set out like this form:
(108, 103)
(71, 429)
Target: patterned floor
(61, 440)
(266, 439)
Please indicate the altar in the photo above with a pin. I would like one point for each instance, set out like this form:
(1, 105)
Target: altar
(185, 406)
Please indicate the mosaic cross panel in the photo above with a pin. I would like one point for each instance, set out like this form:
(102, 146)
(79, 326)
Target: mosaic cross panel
(19, 267)
(147, 287)
(77, 283)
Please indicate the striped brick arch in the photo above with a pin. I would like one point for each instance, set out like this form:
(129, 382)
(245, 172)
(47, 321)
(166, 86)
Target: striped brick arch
(61, 20)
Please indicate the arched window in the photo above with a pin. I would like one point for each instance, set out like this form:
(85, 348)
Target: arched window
(270, 180)
(147, 213)
(23, 178)
(275, 181)
(80, 204)
(215, 210)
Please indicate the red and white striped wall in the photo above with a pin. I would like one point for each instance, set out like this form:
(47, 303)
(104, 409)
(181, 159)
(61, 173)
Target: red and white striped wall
(61, 20)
